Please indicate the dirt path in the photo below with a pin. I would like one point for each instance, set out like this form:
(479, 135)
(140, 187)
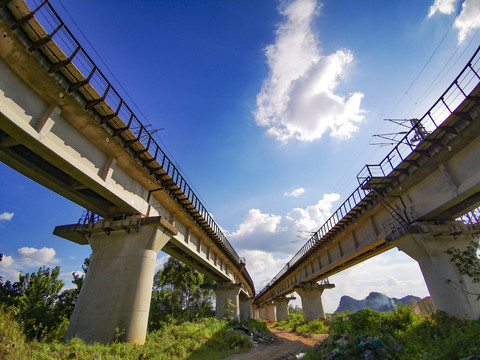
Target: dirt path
(285, 348)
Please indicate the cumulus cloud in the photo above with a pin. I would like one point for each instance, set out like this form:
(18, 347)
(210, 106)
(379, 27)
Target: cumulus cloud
(279, 233)
(312, 217)
(160, 263)
(262, 266)
(468, 20)
(295, 193)
(7, 269)
(6, 216)
(298, 98)
(257, 223)
(31, 257)
(442, 7)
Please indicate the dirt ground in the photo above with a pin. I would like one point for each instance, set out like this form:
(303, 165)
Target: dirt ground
(285, 348)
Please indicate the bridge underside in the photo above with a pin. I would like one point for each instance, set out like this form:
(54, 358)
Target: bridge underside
(418, 200)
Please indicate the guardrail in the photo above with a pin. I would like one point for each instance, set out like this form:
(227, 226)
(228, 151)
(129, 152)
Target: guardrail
(441, 110)
(100, 95)
(471, 218)
(457, 92)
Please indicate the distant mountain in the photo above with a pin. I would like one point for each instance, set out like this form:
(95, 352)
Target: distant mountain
(374, 301)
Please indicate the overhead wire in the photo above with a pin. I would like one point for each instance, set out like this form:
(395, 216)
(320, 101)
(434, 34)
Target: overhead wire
(155, 134)
(348, 171)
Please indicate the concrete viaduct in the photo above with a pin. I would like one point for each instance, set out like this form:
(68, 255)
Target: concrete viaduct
(412, 201)
(65, 126)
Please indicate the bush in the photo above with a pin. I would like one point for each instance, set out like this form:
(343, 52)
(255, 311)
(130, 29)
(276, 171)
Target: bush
(296, 323)
(400, 335)
(205, 339)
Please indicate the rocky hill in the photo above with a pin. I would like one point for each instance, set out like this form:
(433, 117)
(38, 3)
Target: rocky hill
(374, 301)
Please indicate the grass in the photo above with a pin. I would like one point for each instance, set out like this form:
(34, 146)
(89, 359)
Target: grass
(296, 324)
(401, 335)
(206, 339)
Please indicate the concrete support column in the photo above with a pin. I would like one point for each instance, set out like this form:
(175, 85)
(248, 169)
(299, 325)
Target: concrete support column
(281, 307)
(246, 309)
(117, 289)
(261, 312)
(223, 293)
(270, 312)
(256, 313)
(456, 298)
(311, 295)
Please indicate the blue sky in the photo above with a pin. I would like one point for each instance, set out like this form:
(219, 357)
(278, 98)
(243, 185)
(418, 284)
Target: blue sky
(268, 107)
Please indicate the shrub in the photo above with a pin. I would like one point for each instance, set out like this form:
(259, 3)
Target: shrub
(400, 335)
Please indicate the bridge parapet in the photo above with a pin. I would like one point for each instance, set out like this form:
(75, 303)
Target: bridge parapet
(46, 36)
(459, 90)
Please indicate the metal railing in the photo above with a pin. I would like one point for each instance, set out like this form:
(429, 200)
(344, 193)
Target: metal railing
(100, 95)
(439, 112)
(471, 218)
(88, 217)
(457, 92)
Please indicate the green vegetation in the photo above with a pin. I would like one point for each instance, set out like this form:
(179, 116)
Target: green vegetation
(177, 295)
(400, 335)
(296, 324)
(205, 339)
(34, 316)
(36, 302)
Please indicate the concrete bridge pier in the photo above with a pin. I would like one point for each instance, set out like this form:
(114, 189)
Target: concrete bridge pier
(270, 312)
(114, 301)
(457, 298)
(256, 313)
(246, 308)
(311, 296)
(281, 307)
(261, 312)
(223, 307)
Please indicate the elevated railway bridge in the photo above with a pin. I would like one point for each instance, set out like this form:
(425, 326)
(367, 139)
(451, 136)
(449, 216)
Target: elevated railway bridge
(64, 125)
(422, 198)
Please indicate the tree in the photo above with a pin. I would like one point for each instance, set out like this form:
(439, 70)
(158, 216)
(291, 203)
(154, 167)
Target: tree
(34, 298)
(467, 262)
(177, 295)
(37, 301)
(68, 298)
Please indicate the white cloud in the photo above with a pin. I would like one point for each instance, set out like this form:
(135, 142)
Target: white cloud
(31, 257)
(297, 100)
(295, 193)
(468, 20)
(6, 216)
(312, 217)
(279, 234)
(67, 279)
(160, 263)
(257, 223)
(442, 7)
(7, 269)
(262, 266)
